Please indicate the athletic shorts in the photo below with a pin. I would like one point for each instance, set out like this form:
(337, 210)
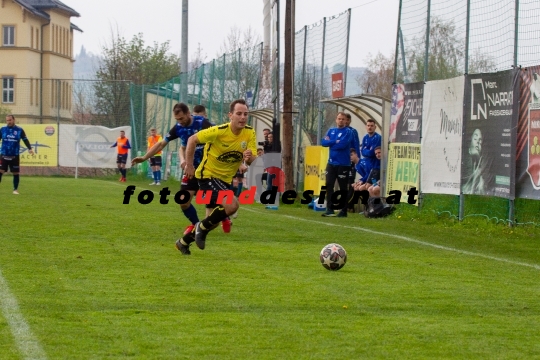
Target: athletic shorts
(216, 185)
(121, 158)
(10, 161)
(189, 184)
(155, 161)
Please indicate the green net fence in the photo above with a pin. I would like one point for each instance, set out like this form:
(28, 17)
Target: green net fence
(440, 39)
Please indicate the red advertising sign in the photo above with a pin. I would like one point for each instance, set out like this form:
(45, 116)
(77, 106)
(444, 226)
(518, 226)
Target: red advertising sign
(337, 85)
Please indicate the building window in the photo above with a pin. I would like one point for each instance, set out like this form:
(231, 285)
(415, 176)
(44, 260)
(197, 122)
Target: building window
(9, 36)
(8, 90)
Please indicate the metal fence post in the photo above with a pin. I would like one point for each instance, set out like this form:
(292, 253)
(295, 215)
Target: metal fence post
(426, 54)
(398, 34)
(319, 126)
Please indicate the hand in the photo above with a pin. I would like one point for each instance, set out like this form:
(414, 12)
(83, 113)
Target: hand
(243, 169)
(31, 152)
(326, 138)
(183, 164)
(189, 171)
(247, 154)
(137, 160)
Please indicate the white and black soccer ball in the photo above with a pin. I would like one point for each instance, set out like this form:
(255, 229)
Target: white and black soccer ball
(333, 257)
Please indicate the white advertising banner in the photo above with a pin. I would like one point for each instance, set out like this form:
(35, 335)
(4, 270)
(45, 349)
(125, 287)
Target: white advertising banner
(90, 146)
(442, 128)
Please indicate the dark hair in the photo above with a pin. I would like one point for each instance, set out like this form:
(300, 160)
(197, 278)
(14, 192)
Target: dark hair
(344, 114)
(377, 147)
(180, 108)
(12, 116)
(371, 120)
(199, 109)
(348, 116)
(237, 101)
(353, 151)
(122, 131)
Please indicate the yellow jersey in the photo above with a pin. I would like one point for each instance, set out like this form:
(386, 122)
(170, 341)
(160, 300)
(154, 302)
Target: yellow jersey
(223, 151)
(153, 140)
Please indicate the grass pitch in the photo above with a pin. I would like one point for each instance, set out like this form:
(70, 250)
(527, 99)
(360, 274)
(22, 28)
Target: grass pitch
(96, 279)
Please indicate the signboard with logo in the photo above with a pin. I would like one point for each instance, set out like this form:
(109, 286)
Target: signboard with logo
(338, 88)
(489, 135)
(90, 146)
(315, 168)
(406, 112)
(44, 141)
(403, 168)
(442, 136)
(528, 136)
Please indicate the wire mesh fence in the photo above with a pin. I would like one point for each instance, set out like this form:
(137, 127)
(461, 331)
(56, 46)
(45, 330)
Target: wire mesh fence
(439, 40)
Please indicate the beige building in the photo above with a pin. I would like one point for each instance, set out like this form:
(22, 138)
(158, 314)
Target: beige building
(36, 60)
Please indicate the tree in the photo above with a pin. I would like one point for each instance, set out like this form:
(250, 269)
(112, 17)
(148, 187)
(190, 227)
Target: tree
(124, 62)
(446, 57)
(377, 79)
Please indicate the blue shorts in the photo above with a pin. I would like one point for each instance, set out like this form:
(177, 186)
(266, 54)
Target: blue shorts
(121, 158)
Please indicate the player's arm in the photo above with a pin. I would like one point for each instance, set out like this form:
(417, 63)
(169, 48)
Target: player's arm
(26, 142)
(127, 145)
(115, 144)
(182, 155)
(151, 152)
(189, 169)
(251, 152)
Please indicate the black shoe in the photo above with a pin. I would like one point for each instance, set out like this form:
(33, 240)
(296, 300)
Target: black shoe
(328, 214)
(342, 214)
(200, 236)
(184, 249)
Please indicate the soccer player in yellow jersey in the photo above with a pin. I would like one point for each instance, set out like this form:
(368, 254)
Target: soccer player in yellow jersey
(155, 161)
(227, 147)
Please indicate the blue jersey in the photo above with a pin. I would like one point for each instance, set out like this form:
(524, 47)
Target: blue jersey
(184, 132)
(339, 142)
(369, 143)
(355, 141)
(11, 137)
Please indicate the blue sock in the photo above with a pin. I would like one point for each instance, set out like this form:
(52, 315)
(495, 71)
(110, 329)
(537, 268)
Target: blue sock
(155, 176)
(15, 182)
(191, 214)
(158, 175)
(239, 190)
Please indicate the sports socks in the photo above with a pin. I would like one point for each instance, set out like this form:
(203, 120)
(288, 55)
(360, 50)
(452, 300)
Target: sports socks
(191, 214)
(239, 189)
(15, 182)
(1, 176)
(215, 217)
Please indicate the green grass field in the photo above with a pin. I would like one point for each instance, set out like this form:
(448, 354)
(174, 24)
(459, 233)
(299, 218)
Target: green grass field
(83, 276)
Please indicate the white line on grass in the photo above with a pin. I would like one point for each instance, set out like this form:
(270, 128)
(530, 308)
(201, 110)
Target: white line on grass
(408, 239)
(26, 341)
(404, 238)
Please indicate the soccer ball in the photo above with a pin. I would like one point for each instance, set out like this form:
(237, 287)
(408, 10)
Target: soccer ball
(333, 257)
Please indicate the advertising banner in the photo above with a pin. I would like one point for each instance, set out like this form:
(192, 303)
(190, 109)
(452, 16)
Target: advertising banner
(489, 136)
(44, 141)
(90, 146)
(442, 136)
(403, 168)
(315, 168)
(406, 113)
(528, 136)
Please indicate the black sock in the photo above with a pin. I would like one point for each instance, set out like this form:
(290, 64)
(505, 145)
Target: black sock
(215, 217)
(15, 182)
(1, 176)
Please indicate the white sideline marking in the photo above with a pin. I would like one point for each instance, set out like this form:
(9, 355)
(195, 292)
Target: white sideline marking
(408, 239)
(25, 339)
(404, 238)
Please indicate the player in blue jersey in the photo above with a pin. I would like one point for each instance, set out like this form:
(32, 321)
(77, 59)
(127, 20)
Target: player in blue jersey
(339, 140)
(186, 125)
(11, 136)
(370, 142)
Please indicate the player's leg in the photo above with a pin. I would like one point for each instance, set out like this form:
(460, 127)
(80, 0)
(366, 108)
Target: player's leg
(158, 170)
(119, 166)
(153, 167)
(15, 170)
(343, 182)
(331, 175)
(221, 208)
(3, 167)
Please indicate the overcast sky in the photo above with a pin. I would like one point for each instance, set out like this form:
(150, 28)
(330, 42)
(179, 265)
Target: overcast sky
(373, 22)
